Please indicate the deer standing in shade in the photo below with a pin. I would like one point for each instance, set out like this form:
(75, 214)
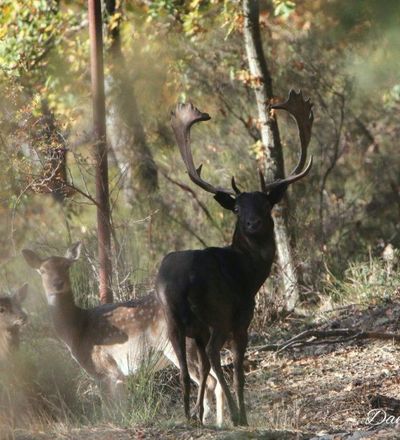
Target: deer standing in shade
(111, 341)
(12, 317)
(208, 295)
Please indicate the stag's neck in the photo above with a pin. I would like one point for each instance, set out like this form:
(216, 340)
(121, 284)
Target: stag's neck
(258, 255)
(68, 318)
(260, 249)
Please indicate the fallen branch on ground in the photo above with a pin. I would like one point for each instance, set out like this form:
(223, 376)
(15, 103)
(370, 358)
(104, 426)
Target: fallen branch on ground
(321, 337)
(389, 404)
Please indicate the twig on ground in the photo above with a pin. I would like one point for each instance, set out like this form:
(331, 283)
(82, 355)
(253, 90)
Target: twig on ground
(321, 337)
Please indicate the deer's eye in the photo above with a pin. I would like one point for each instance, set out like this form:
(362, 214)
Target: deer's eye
(236, 210)
(2, 309)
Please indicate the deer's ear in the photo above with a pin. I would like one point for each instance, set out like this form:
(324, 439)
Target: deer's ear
(276, 195)
(73, 253)
(21, 293)
(32, 258)
(225, 200)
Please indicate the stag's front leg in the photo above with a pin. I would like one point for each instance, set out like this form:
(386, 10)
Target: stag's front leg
(239, 344)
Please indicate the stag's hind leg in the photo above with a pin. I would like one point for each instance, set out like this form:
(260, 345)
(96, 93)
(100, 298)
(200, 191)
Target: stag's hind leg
(213, 350)
(220, 402)
(213, 387)
(204, 369)
(178, 342)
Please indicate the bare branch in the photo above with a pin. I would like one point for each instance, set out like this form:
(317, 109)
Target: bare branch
(195, 197)
(321, 337)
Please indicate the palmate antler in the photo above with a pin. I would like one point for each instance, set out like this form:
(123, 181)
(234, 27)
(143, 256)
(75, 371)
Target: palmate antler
(186, 115)
(301, 110)
(183, 117)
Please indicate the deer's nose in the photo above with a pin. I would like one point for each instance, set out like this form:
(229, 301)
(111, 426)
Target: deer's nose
(253, 224)
(58, 284)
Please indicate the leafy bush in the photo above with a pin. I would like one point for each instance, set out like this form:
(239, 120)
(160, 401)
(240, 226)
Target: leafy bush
(365, 282)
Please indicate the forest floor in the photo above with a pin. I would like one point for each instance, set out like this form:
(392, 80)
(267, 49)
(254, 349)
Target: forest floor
(312, 392)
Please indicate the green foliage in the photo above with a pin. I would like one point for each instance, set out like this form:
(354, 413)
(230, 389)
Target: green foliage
(283, 8)
(41, 48)
(27, 32)
(161, 7)
(363, 282)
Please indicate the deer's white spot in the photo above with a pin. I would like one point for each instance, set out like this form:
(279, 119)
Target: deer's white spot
(130, 355)
(52, 300)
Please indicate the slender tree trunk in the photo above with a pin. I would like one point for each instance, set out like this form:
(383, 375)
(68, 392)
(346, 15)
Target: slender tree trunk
(130, 143)
(272, 165)
(100, 148)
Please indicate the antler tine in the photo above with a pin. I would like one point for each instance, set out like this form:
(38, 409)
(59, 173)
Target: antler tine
(182, 119)
(266, 187)
(262, 181)
(301, 110)
(235, 187)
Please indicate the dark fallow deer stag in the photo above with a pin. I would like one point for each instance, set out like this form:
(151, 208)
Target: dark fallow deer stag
(111, 341)
(208, 295)
(12, 317)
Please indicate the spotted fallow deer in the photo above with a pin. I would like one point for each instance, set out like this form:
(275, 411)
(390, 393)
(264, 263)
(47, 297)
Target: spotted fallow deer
(111, 341)
(208, 295)
(12, 317)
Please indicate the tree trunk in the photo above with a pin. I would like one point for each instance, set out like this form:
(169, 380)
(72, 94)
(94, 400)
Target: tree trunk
(100, 148)
(130, 144)
(272, 164)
